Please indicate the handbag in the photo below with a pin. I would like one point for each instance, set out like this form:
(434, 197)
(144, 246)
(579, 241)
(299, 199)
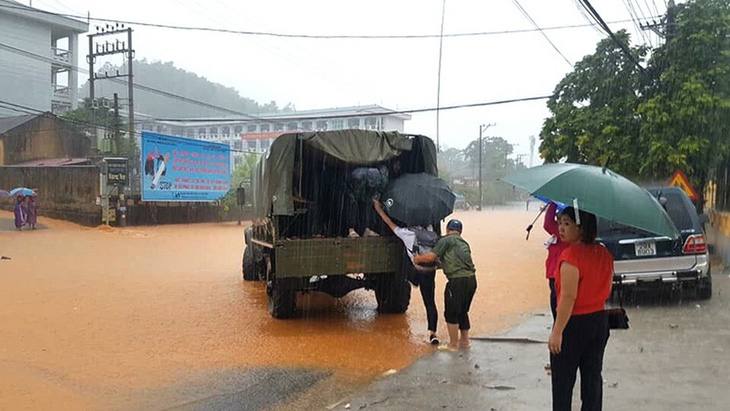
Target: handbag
(617, 317)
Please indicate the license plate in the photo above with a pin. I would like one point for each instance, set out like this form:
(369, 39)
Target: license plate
(645, 248)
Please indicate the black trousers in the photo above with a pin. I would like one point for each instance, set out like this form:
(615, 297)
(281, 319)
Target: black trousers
(584, 342)
(427, 285)
(457, 299)
(553, 298)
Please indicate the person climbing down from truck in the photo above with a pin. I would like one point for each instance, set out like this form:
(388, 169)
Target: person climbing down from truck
(426, 274)
(364, 184)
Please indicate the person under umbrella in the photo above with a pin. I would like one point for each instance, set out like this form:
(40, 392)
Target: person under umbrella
(426, 275)
(32, 212)
(19, 212)
(580, 333)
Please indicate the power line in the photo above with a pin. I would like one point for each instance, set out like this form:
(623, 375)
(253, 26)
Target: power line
(602, 23)
(29, 110)
(388, 112)
(307, 36)
(16, 50)
(524, 12)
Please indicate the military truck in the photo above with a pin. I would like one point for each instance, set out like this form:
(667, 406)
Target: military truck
(299, 243)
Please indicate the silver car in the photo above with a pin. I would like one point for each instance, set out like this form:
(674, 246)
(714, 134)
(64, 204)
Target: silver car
(641, 257)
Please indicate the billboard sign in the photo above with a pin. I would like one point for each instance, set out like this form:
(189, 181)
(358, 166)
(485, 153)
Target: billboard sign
(183, 169)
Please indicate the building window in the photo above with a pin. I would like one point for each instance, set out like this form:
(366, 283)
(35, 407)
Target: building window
(226, 131)
(371, 123)
(278, 127)
(321, 125)
(201, 132)
(292, 126)
(353, 123)
(251, 129)
(307, 126)
(238, 129)
(159, 129)
(265, 128)
(337, 124)
(251, 145)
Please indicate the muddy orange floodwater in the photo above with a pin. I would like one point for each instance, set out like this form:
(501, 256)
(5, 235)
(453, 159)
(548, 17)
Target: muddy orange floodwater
(87, 313)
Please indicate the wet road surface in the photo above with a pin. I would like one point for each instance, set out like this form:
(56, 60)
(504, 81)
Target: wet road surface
(158, 317)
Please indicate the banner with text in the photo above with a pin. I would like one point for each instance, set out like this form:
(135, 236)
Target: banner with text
(183, 169)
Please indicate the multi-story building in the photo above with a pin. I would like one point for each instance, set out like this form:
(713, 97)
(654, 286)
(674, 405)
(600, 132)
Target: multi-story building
(38, 57)
(255, 134)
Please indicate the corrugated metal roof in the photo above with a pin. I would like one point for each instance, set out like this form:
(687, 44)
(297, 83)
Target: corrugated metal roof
(9, 123)
(54, 162)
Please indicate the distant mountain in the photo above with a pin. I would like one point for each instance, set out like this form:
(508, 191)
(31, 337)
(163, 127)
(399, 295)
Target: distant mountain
(173, 80)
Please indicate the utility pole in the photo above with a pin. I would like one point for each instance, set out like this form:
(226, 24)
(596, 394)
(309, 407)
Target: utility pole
(532, 149)
(117, 139)
(130, 91)
(482, 128)
(666, 26)
(118, 46)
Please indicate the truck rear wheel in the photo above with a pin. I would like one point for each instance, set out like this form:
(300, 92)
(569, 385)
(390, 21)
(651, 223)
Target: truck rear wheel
(248, 267)
(282, 299)
(393, 293)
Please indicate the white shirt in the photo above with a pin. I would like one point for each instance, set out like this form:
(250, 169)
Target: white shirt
(409, 239)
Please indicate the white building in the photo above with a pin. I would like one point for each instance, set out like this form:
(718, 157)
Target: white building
(257, 133)
(38, 53)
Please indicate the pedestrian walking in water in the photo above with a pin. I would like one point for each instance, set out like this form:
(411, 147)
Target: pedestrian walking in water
(32, 212)
(426, 275)
(19, 212)
(580, 333)
(455, 256)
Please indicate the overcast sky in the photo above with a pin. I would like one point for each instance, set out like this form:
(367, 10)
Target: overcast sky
(394, 73)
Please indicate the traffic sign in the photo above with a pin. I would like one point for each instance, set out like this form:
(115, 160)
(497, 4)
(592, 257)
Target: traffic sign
(679, 179)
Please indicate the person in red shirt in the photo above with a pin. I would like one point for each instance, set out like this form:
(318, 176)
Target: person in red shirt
(555, 247)
(580, 333)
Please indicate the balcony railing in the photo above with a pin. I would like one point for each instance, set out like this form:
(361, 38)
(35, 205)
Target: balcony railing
(61, 93)
(60, 55)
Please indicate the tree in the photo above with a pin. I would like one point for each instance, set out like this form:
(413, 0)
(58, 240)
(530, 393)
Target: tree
(687, 111)
(593, 110)
(495, 165)
(240, 177)
(100, 116)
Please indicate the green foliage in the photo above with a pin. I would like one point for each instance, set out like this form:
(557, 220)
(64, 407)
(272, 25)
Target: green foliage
(240, 177)
(646, 125)
(593, 107)
(457, 164)
(88, 118)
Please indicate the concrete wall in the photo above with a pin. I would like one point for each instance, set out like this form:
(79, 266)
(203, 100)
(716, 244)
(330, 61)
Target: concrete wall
(66, 193)
(25, 80)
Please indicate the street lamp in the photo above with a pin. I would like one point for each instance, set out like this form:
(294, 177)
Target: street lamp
(482, 128)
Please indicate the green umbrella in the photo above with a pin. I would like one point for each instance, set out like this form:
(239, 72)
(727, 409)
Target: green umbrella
(599, 191)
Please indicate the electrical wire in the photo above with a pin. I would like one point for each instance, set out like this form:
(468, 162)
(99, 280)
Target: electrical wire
(386, 112)
(589, 7)
(306, 36)
(527, 15)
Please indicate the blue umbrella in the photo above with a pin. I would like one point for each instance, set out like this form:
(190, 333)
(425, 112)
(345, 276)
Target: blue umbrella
(22, 191)
(545, 200)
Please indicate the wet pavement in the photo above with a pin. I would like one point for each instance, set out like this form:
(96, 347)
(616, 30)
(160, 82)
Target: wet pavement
(675, 356)
(158, 317)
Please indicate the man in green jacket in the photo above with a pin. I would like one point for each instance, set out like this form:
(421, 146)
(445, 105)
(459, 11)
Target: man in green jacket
(455, 256)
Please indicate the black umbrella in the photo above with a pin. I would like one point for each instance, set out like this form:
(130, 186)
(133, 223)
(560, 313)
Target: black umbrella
(418, 199)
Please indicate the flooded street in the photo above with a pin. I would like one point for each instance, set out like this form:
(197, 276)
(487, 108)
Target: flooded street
(159, 317)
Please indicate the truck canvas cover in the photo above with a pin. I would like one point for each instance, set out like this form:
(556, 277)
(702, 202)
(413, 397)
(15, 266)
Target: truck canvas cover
(273, 179)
